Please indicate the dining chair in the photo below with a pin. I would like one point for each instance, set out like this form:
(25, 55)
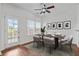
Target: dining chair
(49, 44)
(37, 41)
(67, 42)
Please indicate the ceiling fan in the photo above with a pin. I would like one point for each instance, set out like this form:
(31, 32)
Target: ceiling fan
(45, 9)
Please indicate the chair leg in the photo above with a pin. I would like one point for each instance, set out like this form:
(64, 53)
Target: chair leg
(71, 47)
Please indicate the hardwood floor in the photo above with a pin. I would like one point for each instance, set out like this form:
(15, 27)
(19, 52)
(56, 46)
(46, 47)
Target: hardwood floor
(17, 51)
(20, 50)
(77, 51)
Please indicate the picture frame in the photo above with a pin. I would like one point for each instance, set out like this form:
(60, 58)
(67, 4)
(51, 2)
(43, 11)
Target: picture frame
(49, 26)
(67, 24)
(53, 25)
(59, 25)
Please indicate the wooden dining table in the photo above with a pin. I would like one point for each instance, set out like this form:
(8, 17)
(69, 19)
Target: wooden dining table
(56, 39)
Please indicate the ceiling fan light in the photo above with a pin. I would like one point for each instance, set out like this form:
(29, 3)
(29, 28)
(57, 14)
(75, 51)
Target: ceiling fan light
(43, 10)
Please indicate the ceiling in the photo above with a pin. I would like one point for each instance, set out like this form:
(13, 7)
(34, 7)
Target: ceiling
(31, 6)
(60, 8)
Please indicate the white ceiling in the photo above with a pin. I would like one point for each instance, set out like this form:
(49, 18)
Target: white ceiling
(60, 8)
(31, 6)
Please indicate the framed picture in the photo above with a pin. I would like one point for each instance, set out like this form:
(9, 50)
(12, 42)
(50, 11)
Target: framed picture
(59, 25)
(54, 25)
(49, 26)
(67, 24)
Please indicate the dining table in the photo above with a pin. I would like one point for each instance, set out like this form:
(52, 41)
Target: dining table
(56, 38)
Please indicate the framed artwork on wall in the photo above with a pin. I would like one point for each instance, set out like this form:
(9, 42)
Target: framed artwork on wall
(49, 26)
(59, 25)
(54, 25)
(67, 24)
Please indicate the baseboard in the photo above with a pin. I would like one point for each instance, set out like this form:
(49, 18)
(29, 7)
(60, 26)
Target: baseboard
(27, 43)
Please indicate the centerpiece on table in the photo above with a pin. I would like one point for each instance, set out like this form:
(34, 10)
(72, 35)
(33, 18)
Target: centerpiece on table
(43, 31)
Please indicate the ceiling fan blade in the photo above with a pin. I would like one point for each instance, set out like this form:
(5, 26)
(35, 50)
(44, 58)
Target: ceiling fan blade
(37, 9)
(41, 12)
(48, 11)
(50, 7)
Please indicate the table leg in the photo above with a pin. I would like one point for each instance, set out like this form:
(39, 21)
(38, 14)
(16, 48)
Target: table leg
(56, 43)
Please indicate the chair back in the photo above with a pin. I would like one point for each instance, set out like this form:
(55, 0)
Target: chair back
(36, 39)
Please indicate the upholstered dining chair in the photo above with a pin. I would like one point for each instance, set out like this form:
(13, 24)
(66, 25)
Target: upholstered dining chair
(49, 44)
(67, 42)
(37, 41)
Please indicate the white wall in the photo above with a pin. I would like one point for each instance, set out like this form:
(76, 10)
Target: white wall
(7, 10)
(77, 26)
(67, 12)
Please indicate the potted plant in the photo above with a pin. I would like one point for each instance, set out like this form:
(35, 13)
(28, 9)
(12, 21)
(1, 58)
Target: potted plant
(43, 31)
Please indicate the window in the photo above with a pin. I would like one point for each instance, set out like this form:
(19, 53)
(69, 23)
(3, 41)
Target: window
(38, 26)
(30, 27)
(12, 30)
(33, 27)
